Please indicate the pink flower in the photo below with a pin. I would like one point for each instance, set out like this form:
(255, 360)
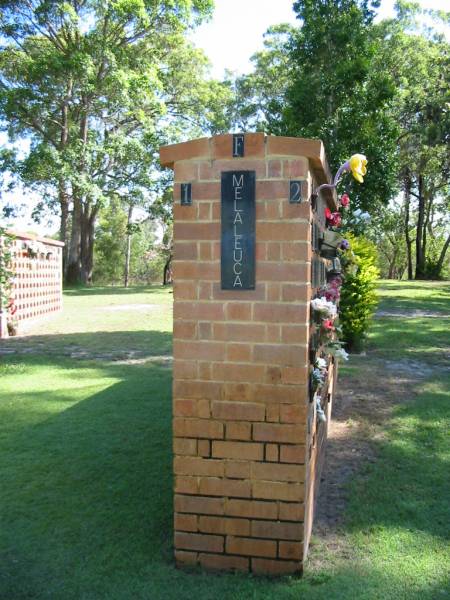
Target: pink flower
(336, 282)
(345, 200)
(332, 294)
(327, 213)
(328, 324)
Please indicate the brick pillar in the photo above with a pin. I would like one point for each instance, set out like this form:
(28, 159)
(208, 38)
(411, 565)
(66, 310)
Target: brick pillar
(243, 424)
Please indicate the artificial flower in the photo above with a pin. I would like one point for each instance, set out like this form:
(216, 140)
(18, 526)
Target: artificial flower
(357, 165)
(12, 308)
(324, 307)
(319, 410)
(335, 281)
(321, 363)
(333, 219)
(331, 294)
(341, 353)
(328, 325)
(344, 245)
(345, 200)
(317, 377)
(327, 213)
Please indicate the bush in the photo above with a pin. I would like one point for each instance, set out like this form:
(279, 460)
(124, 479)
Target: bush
(358, 296)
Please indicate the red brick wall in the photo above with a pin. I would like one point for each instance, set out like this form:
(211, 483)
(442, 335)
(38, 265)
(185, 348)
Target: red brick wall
(242, 449)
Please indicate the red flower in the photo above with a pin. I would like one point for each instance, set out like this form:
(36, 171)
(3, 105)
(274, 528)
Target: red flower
(328, 324)
(12, 308)
(327, 213)
(345, 200)
(334, 219)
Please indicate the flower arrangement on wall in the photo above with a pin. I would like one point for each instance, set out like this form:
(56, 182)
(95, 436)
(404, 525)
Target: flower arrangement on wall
(35, 249)
(336, 248)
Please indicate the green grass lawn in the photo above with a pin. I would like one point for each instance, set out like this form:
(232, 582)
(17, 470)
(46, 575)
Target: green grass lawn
(85, 463)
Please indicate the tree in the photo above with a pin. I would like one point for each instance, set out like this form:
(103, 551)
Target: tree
(325, 88)
(122, 249)
(97, 86)
(381, 89)
(418, 64)
(259, 97)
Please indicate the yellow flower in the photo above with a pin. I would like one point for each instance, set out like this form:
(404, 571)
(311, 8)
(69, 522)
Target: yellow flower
(357, 164)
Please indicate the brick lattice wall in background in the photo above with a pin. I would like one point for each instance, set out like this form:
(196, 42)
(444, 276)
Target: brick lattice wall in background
(245, 439)
(37, 283)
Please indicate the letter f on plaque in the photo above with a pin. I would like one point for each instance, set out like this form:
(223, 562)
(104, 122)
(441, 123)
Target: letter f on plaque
(238, 144)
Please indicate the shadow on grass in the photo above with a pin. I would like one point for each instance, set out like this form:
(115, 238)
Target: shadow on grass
(422, 339)
(117, 344)
(87, 491)
(413, 285)
(114, 291)
(87, 503)
(439, 305)
(432, 297)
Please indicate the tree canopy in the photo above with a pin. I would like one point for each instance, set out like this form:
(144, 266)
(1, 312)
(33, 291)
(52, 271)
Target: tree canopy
(360, 86)
(97, 87)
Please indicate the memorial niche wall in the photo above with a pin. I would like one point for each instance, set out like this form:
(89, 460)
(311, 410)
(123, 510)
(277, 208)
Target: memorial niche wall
(36, 287)
(246, 437)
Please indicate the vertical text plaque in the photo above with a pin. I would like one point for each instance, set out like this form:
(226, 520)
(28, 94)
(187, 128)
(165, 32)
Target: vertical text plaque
(238, 230)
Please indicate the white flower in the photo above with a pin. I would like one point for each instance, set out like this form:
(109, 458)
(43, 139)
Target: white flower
(324, 307)
(320, 413)
(319, 304)
(332, 310)
(317, 376)
(341, 353)
(321, 363)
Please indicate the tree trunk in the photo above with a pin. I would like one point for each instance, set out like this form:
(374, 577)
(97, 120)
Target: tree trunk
(87, 243)
(62, 188)
(64, 204)
(420, 238)
(167, 277)
(392, 268)
(440, 262)
(407, 199)
(128, 253)
(73, 270)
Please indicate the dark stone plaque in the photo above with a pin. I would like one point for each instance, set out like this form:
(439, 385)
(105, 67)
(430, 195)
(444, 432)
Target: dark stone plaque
(238, 144)
(238, 230)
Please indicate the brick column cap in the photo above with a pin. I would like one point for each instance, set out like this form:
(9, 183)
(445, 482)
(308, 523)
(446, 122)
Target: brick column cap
(205, 148)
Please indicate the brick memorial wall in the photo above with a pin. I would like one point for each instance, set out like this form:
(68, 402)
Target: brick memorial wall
(247, 445)
(37, 283)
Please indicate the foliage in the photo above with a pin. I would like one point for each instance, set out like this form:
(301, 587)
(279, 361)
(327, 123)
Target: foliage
(259, 97)
(377, 88)
(110, 248)
(418, 66)
(336, 96)
(97, 87)
(386, 230)
(325, 88)
(6, 272)
(358, 296)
